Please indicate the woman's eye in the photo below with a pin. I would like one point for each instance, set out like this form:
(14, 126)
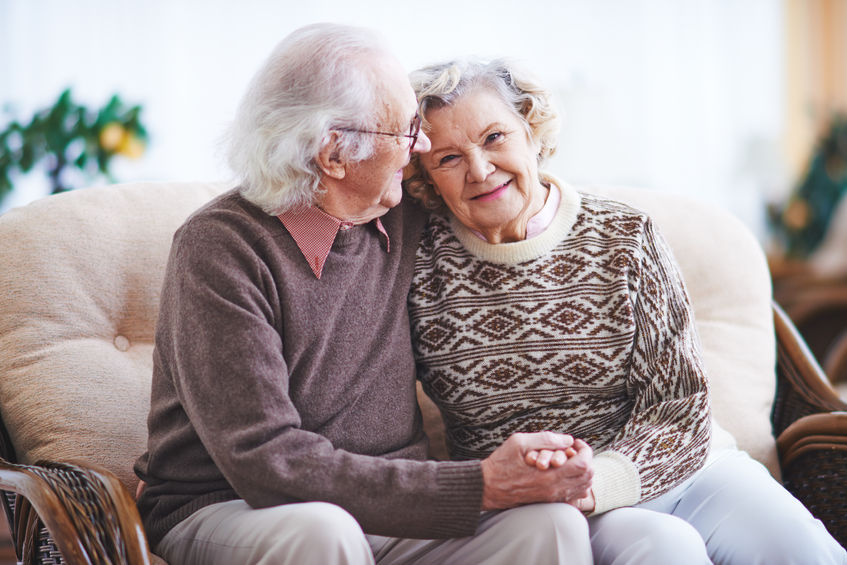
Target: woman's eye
(447, 160)
(492, 137)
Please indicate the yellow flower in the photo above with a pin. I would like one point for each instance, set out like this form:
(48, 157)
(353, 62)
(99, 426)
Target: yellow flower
(131, 146)
(111, 136)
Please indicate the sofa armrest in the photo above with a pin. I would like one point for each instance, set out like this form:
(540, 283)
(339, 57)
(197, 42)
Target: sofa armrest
(835, 362)
(89, 515)
(813, 456)
(802, 387)
(818, 432)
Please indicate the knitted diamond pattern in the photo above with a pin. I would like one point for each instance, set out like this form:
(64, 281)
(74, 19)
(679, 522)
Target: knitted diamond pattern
(593, 337)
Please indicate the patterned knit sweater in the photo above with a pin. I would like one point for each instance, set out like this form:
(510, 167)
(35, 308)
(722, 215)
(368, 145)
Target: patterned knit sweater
(584, 329)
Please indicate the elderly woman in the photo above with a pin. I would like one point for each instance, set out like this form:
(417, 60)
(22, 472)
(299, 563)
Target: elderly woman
(535, 307)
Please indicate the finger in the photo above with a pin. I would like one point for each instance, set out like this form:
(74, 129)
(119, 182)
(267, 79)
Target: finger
(560, 457)
(570, 452)
(545, 440)
(584, 454)
(531, 457)
(580, 445)
(580, 466)
(580, 462)
(582, 504)
(544, 457)
(585, 503)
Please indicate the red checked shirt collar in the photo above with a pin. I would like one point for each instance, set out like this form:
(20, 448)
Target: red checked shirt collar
(314, 232)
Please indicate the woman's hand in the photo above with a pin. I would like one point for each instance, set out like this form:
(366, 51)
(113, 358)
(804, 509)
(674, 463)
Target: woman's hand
(544, 459)
(585, 505)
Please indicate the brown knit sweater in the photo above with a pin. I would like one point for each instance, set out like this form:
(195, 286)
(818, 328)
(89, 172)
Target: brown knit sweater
(584, 329)
(273, 386)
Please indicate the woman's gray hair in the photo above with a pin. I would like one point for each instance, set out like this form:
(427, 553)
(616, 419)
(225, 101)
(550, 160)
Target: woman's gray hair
(440, 85)
(317, 80)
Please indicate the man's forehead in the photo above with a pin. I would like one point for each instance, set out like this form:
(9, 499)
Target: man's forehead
(398, 103)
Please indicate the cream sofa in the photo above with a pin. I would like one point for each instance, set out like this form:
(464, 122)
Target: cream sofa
(80, 275)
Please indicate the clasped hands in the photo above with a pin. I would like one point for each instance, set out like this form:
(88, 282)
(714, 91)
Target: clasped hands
(538, 467)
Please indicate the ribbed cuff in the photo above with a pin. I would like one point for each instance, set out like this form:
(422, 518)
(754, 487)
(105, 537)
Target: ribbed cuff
(616, 482)
(460, 483)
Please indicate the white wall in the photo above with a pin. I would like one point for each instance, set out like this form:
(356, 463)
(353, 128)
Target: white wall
(677, 95)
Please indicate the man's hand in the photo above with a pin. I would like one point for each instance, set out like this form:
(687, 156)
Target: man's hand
(509, 481)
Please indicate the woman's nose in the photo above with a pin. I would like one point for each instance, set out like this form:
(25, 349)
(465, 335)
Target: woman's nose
(478, 167)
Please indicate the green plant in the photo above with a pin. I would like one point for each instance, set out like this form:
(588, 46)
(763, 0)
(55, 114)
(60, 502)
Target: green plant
(801, 223)
(69, 135)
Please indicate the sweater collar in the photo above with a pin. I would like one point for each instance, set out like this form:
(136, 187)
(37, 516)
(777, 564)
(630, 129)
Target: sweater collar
(533, 247)
(314, 232)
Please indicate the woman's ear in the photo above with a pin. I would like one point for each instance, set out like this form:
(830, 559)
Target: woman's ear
(535, 140)
(329, 158)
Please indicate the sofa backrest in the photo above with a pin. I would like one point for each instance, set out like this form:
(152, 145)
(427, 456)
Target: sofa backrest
(80, 276)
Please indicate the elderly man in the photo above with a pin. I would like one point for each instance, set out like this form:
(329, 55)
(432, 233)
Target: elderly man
(283, 425)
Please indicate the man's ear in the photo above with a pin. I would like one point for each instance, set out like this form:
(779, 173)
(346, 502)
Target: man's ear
(329, 159)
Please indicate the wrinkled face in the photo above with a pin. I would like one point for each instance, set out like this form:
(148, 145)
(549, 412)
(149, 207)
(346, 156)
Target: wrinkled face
(374, 185)
(484, 164)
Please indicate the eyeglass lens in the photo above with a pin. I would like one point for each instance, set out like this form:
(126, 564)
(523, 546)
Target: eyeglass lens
(414, 130)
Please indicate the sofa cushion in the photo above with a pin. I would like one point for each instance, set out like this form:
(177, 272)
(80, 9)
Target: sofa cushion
(79, 294)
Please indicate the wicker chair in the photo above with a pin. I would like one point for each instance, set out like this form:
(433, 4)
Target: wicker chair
(79, 288)
(818, 307)
(810, 422)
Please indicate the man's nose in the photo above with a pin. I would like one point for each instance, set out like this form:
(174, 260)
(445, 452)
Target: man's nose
(423, 143)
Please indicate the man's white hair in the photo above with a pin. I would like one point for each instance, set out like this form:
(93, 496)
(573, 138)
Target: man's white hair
(318, 79)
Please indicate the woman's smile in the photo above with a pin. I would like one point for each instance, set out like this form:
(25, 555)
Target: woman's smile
(492, 195)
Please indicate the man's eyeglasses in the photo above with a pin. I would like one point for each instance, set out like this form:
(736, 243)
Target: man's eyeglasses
(414, 130)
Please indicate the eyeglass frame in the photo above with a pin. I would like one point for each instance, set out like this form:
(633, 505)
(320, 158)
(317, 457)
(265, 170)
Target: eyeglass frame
(414, 132)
